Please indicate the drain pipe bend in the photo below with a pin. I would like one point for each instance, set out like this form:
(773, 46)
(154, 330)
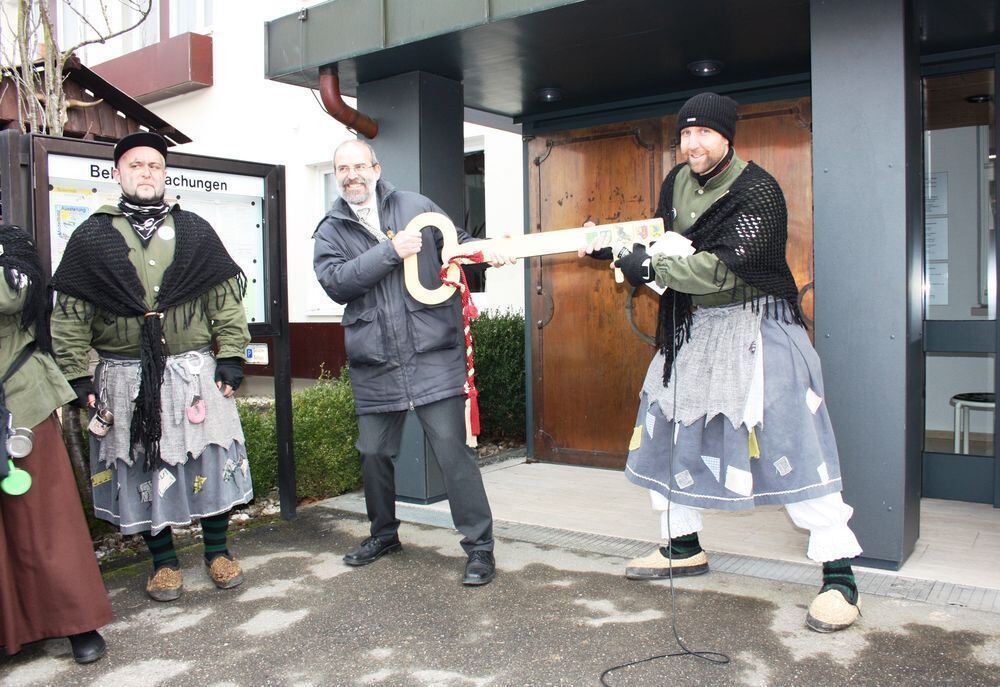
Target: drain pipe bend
(329, 91)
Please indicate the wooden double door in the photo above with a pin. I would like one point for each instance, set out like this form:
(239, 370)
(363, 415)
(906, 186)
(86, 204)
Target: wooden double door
(588, 359)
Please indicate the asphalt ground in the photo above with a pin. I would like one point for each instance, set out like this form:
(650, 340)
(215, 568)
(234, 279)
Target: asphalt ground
(553, 616)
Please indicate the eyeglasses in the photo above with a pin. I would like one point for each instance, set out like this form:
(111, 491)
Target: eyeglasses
(357, 169)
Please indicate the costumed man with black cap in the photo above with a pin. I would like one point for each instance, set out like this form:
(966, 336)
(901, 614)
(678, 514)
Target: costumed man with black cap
(150, 286)
(50, 585)
(731, 411)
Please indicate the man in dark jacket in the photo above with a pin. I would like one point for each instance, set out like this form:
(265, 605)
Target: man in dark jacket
(404, 355)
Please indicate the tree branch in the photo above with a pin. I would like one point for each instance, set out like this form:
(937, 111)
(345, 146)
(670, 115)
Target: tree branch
(41, 95)
(142, 8)
(83, 17)
(28, 85)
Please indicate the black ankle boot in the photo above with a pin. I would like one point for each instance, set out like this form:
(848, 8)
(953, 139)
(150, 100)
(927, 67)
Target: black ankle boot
(88, 646)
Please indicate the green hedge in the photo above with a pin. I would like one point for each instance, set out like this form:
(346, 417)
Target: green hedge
(257, 418)
(325, 432)
(498, 340)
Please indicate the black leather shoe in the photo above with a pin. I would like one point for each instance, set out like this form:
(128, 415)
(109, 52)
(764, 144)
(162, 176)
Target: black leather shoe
(481, 569)
(371, 550)
(88, 646)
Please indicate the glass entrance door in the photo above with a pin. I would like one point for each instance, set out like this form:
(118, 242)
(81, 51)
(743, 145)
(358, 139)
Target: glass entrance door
(960, 287)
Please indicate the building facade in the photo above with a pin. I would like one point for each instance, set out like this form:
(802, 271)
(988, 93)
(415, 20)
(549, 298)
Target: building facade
(850, 103)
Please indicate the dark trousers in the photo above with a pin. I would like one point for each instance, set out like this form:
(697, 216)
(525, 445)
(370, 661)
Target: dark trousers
(443, 422)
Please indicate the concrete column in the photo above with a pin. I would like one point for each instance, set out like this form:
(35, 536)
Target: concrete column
(420, 141)
(867, 168)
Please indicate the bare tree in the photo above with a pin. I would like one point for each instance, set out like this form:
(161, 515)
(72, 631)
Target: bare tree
(36, 64)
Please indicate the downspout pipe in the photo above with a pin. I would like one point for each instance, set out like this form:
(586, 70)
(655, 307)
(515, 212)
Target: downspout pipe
(333, 101)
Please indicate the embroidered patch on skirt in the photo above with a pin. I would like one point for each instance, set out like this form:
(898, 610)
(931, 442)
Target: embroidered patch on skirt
(136, 500)
(710, 465)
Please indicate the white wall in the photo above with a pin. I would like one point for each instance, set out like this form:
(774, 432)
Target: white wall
(245, 116)
(504, 212)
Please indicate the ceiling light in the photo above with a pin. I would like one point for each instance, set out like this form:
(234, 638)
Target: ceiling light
(549, 94)
(979, 99)
(705, 67)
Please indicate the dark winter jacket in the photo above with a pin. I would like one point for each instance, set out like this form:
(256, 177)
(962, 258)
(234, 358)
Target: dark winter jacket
(402, 353)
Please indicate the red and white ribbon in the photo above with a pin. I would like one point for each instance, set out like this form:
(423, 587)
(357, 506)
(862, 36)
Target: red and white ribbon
(469, 313)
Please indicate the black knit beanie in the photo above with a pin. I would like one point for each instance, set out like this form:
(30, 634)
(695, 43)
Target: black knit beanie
(714, 111)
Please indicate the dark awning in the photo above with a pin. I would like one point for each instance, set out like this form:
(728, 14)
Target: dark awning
(594, 51)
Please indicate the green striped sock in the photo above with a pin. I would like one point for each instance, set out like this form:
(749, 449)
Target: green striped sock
(682, 547)
(213, 531)
(161, 546)
(839, 575)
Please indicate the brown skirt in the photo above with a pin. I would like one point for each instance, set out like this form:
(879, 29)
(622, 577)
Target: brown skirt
(50, 585)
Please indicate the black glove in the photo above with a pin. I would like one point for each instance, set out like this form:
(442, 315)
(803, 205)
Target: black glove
(602, 254)
(84, 387)
(636, 266)
(229, 371)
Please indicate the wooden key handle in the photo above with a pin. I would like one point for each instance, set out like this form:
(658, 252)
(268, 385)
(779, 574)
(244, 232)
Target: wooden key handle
(617, 235)
(411, 273)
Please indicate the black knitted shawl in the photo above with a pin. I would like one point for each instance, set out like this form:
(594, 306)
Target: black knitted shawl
(747, 229)
(19, 262)
(95, 268)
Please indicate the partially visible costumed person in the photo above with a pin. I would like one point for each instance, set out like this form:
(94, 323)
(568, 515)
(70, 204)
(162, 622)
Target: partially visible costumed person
(50, 585)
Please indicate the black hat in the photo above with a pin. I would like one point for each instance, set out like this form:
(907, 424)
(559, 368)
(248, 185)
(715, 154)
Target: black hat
(715, 111)
(139, 139)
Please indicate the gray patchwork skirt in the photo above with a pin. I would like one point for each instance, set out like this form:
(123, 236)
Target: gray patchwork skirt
(204, 468)
(709, 464)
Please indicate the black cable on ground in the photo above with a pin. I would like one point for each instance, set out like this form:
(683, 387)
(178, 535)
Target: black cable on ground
(715, 657)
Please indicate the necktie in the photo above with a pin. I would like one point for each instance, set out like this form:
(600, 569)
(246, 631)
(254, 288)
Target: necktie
(362, 214)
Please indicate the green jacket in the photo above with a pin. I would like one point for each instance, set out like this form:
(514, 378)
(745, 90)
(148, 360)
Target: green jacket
(37, 388)
(702, 275)
(73, 336)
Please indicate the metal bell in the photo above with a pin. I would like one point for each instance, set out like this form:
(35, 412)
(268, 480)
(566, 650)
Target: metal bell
(101, 423)
(20, 441)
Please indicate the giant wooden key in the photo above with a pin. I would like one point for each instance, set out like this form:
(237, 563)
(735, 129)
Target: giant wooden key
(621, 234)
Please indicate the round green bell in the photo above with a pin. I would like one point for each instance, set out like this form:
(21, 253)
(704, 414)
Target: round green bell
(17, 482)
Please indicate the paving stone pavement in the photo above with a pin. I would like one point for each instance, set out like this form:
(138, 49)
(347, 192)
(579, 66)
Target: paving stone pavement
(553, 616)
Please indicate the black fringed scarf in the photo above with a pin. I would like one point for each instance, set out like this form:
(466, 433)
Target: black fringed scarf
(95, 268)
(747, 229)
(23, 270)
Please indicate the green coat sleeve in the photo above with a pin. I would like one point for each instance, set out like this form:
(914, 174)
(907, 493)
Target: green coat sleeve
(229, 324)
(699, 274)
(71, 336)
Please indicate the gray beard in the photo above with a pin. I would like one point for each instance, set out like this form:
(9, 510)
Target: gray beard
(355, 197)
